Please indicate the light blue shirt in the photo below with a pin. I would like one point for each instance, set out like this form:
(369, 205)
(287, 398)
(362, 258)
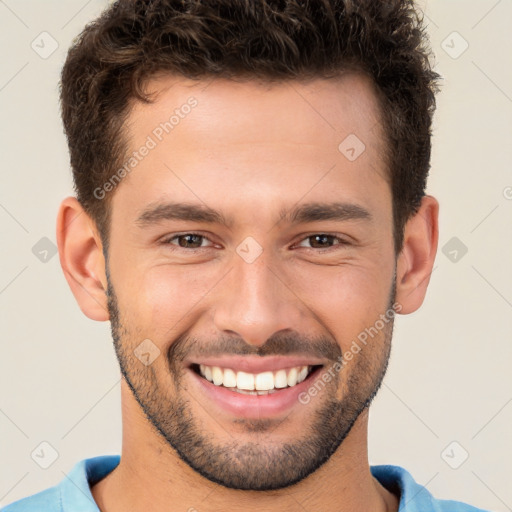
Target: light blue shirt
(73, 493)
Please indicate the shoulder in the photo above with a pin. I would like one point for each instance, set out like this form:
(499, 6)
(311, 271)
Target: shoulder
(73, 493)
(47, 501)
(457, 506)
(413, 496)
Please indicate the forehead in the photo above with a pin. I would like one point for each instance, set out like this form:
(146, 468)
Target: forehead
(254, 141)
(248, 108)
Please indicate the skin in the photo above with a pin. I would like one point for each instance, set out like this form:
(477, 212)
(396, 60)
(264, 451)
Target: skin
(253, 152)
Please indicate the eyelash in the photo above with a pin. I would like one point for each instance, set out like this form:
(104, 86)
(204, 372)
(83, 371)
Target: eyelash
(339, 241)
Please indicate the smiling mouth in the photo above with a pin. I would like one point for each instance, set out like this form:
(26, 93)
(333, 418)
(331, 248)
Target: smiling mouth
(263, 383)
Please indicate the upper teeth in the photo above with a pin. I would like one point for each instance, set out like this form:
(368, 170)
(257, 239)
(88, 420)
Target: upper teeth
(249, 381)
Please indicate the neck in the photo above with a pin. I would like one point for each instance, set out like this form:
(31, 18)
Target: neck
(151, 471)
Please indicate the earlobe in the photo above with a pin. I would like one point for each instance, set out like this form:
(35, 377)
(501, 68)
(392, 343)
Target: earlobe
(416, 259)
(81, 259)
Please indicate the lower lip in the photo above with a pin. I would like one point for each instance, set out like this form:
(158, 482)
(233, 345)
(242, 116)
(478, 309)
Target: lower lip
(254, 406)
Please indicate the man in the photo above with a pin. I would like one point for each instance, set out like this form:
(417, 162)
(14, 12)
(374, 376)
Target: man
(250, 216)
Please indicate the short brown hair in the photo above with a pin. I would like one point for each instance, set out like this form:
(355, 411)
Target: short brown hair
(274, 40)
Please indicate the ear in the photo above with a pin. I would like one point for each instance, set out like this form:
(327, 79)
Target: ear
(416, 259)
(81, 259)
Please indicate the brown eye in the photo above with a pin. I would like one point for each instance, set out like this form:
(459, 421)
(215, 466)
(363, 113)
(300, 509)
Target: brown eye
(322, 241)
(188, 241)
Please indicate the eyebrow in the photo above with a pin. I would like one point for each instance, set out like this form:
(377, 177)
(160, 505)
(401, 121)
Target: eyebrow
(312, 212)
(309, 212)
(180, 211)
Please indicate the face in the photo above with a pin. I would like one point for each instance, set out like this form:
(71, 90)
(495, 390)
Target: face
(248, 247)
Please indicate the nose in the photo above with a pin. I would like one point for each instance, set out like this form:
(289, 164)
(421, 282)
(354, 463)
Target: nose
(255, 302)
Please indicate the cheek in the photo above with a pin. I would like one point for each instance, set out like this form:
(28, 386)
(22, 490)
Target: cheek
(346, 300)
(168, 297)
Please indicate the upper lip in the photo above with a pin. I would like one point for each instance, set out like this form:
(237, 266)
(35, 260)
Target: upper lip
(257, 364)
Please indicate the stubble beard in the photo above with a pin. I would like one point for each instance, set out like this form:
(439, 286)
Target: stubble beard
(261, 464)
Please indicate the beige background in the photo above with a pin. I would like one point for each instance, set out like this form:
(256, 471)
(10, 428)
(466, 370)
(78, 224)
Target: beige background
(449, 377)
